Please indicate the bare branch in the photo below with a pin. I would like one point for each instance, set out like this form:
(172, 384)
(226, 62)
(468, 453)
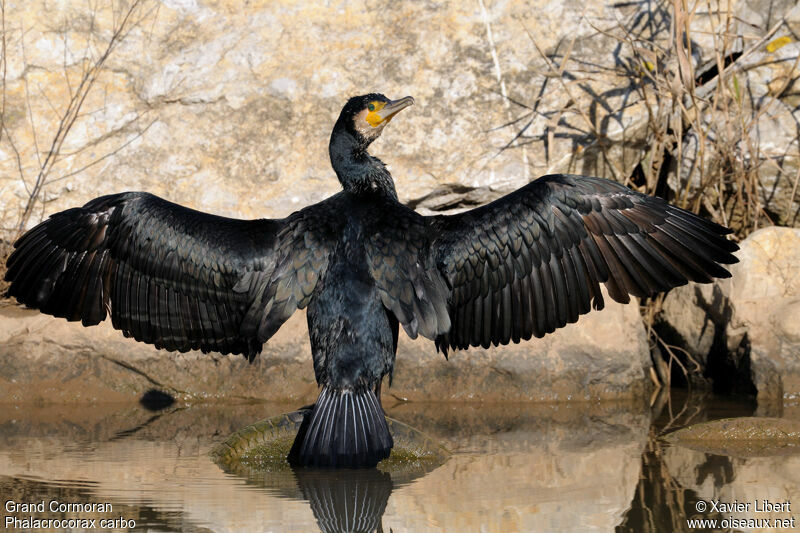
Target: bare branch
(105, 156)
(28, 101)
(72, 111)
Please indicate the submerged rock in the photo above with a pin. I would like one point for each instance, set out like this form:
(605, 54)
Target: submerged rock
(353, 501)
(741, 437)
(258, 452)
(752, 488)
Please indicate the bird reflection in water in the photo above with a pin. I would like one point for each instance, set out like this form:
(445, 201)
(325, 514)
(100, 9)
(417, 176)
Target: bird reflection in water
(351, 500)
(341, 499)
(346, 500)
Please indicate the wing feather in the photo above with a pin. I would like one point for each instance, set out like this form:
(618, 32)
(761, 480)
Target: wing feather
(398, 255)
(171, 276)
(533, 261)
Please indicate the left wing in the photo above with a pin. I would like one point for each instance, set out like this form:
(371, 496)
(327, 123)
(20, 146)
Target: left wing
(171, 276)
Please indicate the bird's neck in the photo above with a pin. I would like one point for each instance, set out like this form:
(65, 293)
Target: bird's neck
(359, 172)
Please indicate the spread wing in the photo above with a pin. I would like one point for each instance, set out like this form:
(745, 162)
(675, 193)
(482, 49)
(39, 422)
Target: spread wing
(168, 275)
(533, 261)
(400, 261)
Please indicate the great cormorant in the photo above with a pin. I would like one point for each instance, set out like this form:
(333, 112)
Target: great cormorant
(521, 266)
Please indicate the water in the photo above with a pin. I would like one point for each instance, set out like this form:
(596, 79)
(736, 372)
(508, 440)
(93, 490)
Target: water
(515, 467)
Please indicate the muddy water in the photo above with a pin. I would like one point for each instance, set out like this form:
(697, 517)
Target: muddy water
(515, 467)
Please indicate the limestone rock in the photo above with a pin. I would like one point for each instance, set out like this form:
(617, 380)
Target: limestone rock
(228, 107)
(604, 355)
(689, 319)
(763, 296)
(45, 359)
(754, 314)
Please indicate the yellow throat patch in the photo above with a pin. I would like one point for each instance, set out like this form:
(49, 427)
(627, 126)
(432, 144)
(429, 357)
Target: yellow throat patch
(373, 117)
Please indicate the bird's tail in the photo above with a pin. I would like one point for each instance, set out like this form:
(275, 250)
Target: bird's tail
(345, 429)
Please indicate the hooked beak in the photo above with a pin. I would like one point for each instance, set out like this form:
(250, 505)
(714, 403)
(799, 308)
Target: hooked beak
(393, 107)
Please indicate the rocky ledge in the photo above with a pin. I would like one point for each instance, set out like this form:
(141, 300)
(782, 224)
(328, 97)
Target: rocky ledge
(743, 333)
(45, 359)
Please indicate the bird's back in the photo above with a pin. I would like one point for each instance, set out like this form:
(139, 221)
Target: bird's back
(350, 330)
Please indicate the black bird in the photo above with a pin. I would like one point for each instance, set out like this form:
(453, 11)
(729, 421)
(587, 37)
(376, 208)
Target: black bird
(521, 266)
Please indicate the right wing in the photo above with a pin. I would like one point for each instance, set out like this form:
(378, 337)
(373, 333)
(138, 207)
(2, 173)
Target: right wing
(533, 260)
(171, 276)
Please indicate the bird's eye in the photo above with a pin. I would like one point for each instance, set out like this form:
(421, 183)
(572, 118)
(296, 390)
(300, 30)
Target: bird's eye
(371, 107)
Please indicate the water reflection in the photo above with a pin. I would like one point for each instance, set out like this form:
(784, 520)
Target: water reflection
(341, 500)
(663, 500)
(140, 517)
(515, 467)
(354, 501)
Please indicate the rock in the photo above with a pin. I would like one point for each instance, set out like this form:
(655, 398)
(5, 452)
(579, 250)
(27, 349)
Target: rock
(604, 355)
(753, 317)
(741, 437)
(689, 319)
(763, 294)
(44, 359)
(258, 452)
(228, 107)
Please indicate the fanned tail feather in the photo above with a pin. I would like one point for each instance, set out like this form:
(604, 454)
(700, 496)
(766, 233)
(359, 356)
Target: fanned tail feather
(345, 429)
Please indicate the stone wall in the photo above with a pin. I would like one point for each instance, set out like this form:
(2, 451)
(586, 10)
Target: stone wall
(46, 359)
(228, 107)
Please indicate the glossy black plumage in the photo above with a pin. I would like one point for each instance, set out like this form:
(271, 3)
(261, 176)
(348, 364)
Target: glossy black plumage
(522, 266)
(532, 261)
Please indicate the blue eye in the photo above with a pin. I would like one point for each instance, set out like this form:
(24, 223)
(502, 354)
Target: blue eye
(371, 107)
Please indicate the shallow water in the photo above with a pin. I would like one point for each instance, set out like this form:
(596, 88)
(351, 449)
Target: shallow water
(515, 467)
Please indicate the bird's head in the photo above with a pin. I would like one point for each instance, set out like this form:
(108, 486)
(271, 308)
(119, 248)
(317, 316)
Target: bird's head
(366, 116)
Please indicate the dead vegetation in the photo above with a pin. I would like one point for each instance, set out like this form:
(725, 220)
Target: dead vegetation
(41, 159)
(705, 135)
(702, 144)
